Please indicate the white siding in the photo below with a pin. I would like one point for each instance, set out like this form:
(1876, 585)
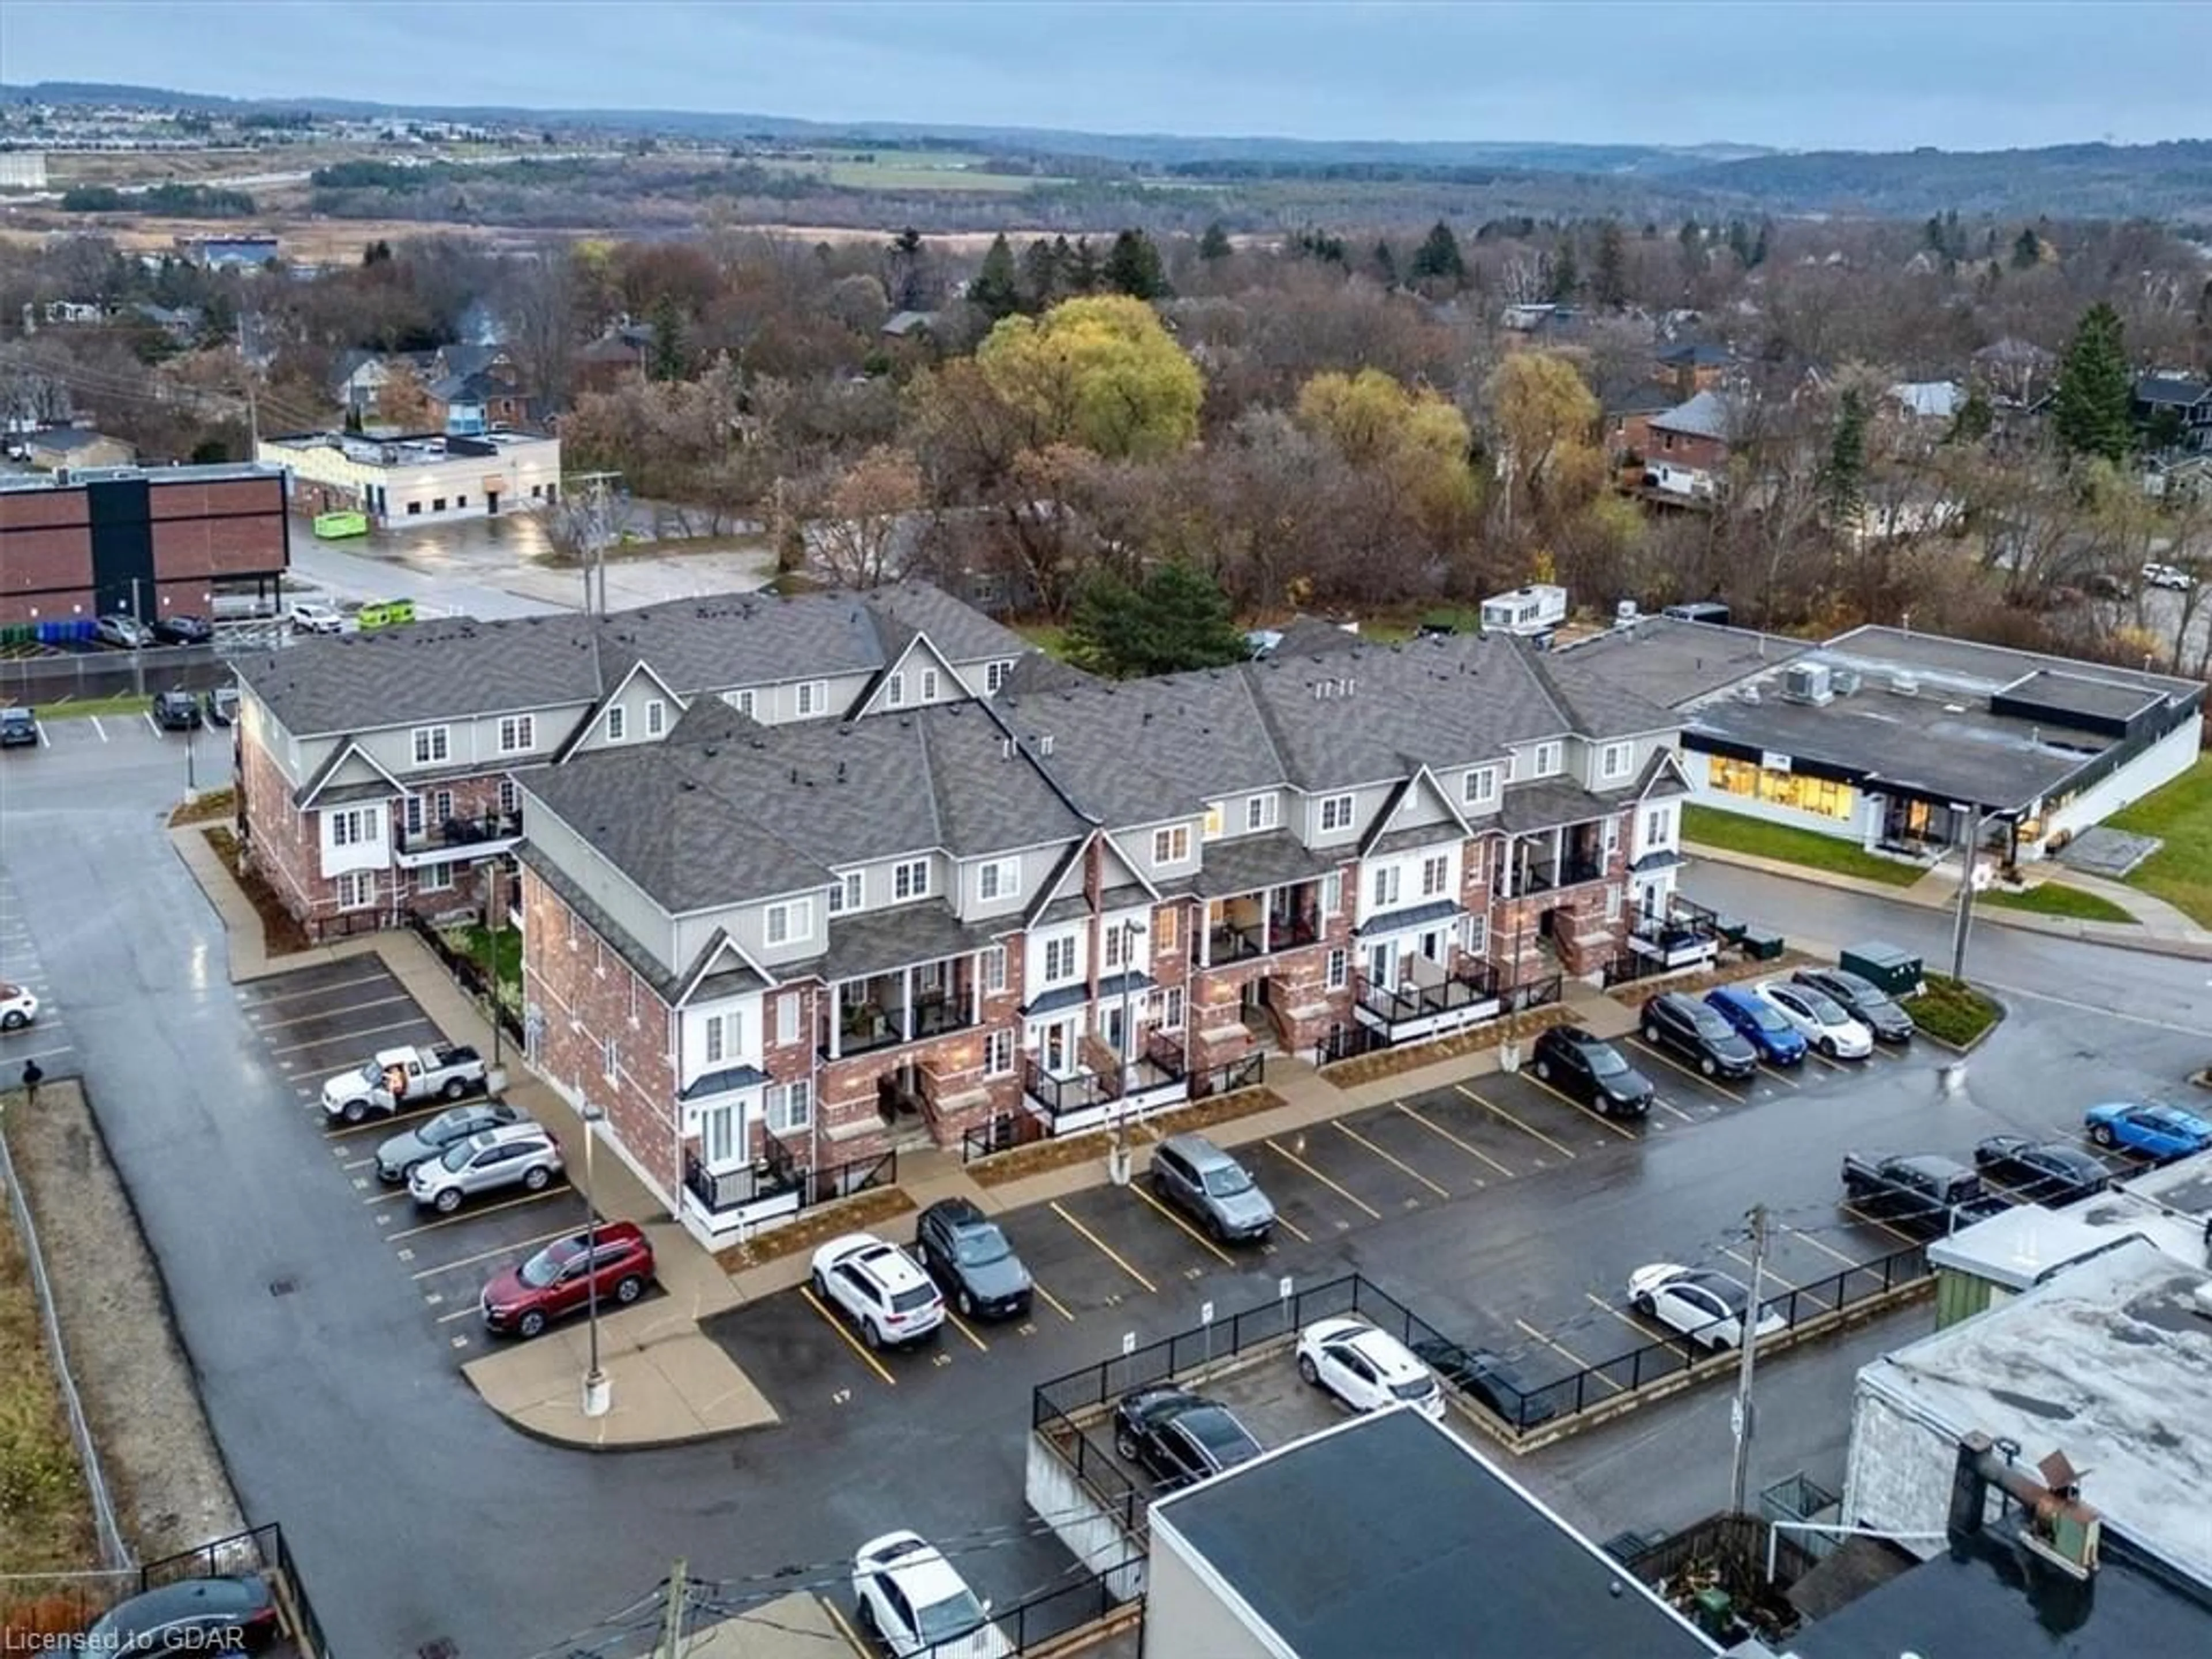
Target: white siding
(1186, 1616)
(2164, 761)
(372, 852)
(605, 886)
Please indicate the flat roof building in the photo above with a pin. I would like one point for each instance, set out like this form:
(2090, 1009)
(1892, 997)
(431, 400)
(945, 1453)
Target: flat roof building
(1388, 1535)
(422, 479)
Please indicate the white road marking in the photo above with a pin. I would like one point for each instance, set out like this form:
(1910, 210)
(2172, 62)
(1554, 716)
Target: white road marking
(98, 727)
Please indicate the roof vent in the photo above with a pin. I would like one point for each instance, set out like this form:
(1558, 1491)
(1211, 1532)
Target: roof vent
(1044, 744)
(1006, 748)
(1748, 694)
(1806, 683)
(1843, 681)
(1904, 685)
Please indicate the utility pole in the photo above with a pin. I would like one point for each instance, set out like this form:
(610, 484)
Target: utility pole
(1741, 1415)
(1964, 921)
(671, 1629)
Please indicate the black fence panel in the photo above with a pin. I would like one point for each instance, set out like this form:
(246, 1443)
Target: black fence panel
(260, 1551)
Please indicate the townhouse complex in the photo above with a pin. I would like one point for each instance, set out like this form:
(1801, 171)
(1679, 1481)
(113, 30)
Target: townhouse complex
(801, 880)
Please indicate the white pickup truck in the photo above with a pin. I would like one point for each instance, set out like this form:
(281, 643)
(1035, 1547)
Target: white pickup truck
(442, 1070)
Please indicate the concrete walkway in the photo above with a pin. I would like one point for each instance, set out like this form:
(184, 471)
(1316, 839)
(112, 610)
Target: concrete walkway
(2159, 929)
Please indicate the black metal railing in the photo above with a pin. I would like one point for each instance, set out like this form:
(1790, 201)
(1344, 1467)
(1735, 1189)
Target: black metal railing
(1560, 1398)
(1567, 873)
(863, 1032)
(262, 1551)
(1540, 992)
(468, 973)
(456, 831)
(1348, 1042)
(837, 1181)
(1226, 943)
(1464, 987)
(1062, 1096)
(1051, 1617)
(778, 1170)
(1287, 930)
(1246, 1072)
(1002, 1133)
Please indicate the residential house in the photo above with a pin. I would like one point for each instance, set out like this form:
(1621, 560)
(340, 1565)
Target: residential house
(2017, 374)
(1928, 402)
(2175, 411)
(1694, 366)
(74, 446)
(358, 380)
(475, 388)
(377, 770)
(1685, 448)
(1627, 406)
(625, 350)
(795, 942)
(913, 325)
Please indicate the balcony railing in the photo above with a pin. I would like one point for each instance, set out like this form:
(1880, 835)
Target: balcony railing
(1227, 942)
(458, 832)
(866, 1027)
(1465, 996)
(1568, 873)
(1153, 1078)
(772, 1174)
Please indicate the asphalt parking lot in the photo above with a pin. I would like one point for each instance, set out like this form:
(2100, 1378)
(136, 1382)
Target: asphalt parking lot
(317, 1021)
(48, 1039)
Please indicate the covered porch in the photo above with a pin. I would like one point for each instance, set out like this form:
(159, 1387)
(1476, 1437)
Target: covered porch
(898, 977)
(1428, 1000)
(1262, 895)
(1088, 1096)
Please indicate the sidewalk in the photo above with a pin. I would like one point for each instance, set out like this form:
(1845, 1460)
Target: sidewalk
(2159, 929)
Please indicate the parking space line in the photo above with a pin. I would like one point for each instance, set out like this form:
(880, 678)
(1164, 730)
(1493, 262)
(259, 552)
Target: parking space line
(1104, 1248)
(845, 1628)
(359, 1163)
(386, 1198)
(1858, 1214)
(301, 1019)
(1567, 1353)
(1057, 1306)
(1769, 1276)
(486, 1256)
(473, 1310)
(459, 1216)
(1779, 1075)
(1603, 1306)
(846, 1337)
(348, 1038)
(1562, 1151)
(1293, 1229)
(1466, 1147)
(1674, 1065)
(1373, 1214)
(1196, 1237)
(957, 1324)
(1818, 1244)
(1390, 1158)
(98, 727)
(384, 1121)
(319, 990)
(148, 714)
(1598, 1118)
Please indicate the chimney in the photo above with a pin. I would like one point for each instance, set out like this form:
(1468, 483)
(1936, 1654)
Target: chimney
(2056, 1525)
(1006, 748)
(1044, 745)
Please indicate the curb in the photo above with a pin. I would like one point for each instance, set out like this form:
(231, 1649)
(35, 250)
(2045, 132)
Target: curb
(616, 1448)
(2004, 1014)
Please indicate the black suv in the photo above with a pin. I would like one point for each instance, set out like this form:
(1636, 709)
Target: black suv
(1675, 1020)
(1180, 1435)
(176, 711)
(18, 727)
(1579, 1063)
(1862, 1000)
(970, 1259)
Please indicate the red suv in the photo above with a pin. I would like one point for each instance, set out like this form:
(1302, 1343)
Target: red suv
(559, 1278)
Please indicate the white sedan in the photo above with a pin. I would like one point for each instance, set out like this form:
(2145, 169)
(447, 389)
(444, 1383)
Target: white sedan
(2167, 576)
(1366, 1369)
(909, 1598)
(1819, 1019)
(18, 1007)
(313, 617)
(1706, 1307)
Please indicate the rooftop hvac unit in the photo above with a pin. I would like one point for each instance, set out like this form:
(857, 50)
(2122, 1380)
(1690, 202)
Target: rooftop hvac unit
(1904, 685)
(1806, 682)
(1749, 694)
(1843, 681)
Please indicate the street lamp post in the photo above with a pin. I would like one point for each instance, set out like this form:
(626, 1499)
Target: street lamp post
(598, 1392)
(1118, 1160)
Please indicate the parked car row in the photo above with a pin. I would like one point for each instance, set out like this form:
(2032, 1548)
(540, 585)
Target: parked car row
(1734, 1028)
(173, 711)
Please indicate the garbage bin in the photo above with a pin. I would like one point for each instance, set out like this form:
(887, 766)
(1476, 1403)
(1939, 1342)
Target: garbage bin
(1761, 944)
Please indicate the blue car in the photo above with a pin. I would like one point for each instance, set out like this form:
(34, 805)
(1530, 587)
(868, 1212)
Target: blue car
(1761, 1023)
(2156, 1131)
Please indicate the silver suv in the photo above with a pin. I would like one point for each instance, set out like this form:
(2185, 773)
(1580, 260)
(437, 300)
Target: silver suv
(523, 1154)
(1196, 1177)
(880, 1287)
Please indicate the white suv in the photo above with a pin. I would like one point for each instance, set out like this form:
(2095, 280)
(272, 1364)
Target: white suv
(910, 1599)
(879, 1288)
(313, 617)
(523, 1154)
(1367, 1368)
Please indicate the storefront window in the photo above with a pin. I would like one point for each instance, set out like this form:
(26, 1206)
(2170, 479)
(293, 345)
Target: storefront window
(1823, 797)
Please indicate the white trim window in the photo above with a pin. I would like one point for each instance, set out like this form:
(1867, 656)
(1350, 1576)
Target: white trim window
(1261, 812)
(617, 723)
(790, 1106)
(1658, 828)
(998, 1053)
(1000, 878)
(1172, 845)
(813, 698)
(845, 893)
(1479, 786)
(995, 968)
(789, 922)
(910, 880)
(1168, 1007)
(356, 890)
(994, 677)
(433, 744)
(746, 703)
(410, 815)
(1612, 836)
(518, 733)
(1335, 814)
(1475, 934)
(510, 797)
(1332, 893)
(656, 717)
(787, 1017)
(1339, 970)
(434, 878)
(929, 685)
(721, 1038)
(1436, 875)
(1548, 759)
(354, 826)
(895, 691)
(1113, 947)
(1613, 762)
(1385, 887)
(1060, 959)
(1613, 905)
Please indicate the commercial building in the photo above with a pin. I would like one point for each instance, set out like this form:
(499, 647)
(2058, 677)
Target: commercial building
(62, 447)
(1895, 740)
(151, 544)
(432, 479)
(1387, 1535)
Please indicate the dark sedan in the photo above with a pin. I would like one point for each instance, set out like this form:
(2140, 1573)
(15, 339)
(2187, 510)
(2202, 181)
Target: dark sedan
(184, 630)
(1486, 1378)
(176, 711)
(19, 728)
(1862, 1000)
(2042, 1171)
(971, 1261)
(396, 1158)
(1582, 1064)
(1179, 1436)
(196, 1615)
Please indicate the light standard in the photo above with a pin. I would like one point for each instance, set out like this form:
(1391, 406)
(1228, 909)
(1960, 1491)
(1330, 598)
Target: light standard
(1117, 1164)
(598, 1392)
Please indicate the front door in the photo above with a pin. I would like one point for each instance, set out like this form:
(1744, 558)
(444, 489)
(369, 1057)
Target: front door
(1433, 945)
(492, 503)
(718, 1138)
(1383, 963)
(1109, 1027)
(1059, 1049)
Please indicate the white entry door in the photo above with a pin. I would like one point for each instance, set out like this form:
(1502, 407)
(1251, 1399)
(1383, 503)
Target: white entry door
(718, 1137)
(1383, 963)
(1432, 944)
(1058, 1048)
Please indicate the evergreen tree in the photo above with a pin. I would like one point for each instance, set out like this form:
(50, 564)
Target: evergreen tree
(1566, 275)
(1386, 264)
(995, 292)
(1650, 230)
(1081, 271)
(1176, 617)
(1692, 240)
(1133, 267)
(1609, 278)
(1739, 241)
(1041, 273)
(378, 252)
(1759, 244)
(2027, 250)
(1215, 244)
(2091, 405)
(908, 283)
(1974, 420)
(1438, 259)
(667, 361)
(1842, 476)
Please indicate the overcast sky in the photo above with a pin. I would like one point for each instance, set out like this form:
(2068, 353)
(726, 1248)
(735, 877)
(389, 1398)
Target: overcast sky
(1847, 74)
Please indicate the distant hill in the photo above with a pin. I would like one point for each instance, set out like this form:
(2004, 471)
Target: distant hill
(2167, 180)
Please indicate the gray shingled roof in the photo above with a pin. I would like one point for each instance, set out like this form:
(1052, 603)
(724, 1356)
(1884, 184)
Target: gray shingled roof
(1551, 802)
(880, 940)
(1251, 862)
(1599, 704)
(962, 633)
(2174, 389)
(1708, 415)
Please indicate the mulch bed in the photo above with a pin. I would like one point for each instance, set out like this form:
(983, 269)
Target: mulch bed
(1390, 1062)
(213, 807)
(1637, 992)
(857, 1213)
(1063, 1151)
(281, 933)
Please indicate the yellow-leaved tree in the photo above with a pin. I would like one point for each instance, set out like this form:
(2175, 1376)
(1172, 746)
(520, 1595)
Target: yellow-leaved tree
(1100, 373)
(1413, 441)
